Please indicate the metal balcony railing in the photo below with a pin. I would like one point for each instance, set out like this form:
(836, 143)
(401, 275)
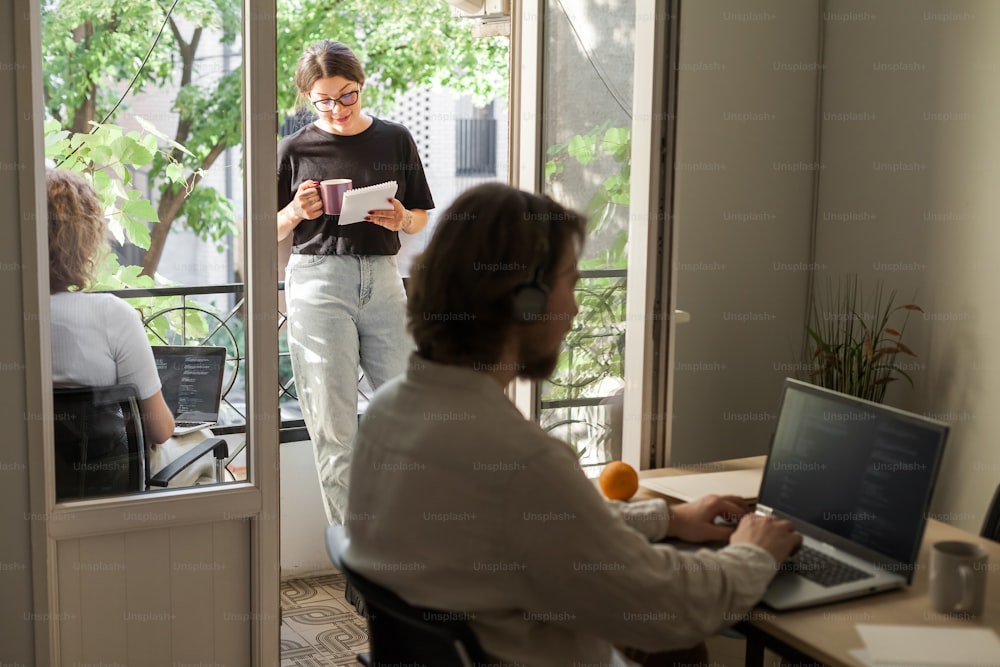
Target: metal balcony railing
(580, 402)
(573, 403)
(181, 315)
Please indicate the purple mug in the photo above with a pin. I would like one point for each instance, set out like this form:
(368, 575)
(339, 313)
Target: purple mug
(331, 191)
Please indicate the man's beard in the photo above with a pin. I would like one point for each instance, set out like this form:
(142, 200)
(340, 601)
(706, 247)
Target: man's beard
(534, 362)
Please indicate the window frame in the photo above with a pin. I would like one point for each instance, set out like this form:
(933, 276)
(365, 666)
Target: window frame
(648, 334)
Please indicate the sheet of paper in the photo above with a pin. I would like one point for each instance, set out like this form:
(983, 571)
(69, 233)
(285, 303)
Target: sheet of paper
(743, 483)
(925, 645)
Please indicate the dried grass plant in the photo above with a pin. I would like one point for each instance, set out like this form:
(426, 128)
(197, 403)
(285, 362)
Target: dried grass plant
(854, 341)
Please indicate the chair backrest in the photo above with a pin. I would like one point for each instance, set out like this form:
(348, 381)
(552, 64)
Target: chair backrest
(99, 445)
(991, 524)
(400, 633)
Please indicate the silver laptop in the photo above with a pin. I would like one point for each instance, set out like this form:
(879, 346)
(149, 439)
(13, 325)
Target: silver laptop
(191, 382)
(856, 479)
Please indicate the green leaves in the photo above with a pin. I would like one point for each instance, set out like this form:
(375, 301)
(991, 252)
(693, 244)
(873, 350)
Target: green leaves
(108, 156)
(618, 143)
(612, 145)
(582, 148)
(110, 275)
(552, 169)
(91, 53)
(56, 139)
(594, 346)
(88, 46)
(211, 215)
(168, 322)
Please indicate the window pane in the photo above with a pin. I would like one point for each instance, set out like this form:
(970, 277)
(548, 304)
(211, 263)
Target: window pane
(146, 106)
(587, 115)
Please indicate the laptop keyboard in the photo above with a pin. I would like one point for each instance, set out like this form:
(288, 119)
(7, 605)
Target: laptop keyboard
(822, 569)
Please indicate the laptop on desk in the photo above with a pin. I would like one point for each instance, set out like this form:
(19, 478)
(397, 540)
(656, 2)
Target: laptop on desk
(856, 479)
(191, 382)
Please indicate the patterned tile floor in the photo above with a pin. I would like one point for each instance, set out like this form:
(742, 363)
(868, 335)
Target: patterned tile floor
(318, 626)
(320, 629)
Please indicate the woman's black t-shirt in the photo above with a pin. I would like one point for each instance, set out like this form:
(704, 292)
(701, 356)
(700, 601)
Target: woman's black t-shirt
(385, 151)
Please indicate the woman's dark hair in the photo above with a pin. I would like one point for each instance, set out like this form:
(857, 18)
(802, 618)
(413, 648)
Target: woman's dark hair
(323, 60)
(491, 241)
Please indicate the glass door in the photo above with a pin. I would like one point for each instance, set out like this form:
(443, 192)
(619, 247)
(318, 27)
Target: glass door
(592, 93)
(178, 140)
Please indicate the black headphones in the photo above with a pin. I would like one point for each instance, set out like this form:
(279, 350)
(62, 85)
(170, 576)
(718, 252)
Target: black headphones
(530, 300)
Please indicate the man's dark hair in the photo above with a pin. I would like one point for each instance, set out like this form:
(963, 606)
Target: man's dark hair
(490, 242)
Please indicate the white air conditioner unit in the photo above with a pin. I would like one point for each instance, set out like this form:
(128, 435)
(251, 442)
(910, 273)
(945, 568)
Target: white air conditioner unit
(468, 7)
(490, 18)
(481, 8)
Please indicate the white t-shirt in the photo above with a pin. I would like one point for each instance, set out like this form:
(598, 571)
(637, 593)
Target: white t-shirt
(98, 340)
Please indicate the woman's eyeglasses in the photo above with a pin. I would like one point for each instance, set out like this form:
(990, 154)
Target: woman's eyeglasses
(345, 100)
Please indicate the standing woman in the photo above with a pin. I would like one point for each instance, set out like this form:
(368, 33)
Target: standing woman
(346, 304)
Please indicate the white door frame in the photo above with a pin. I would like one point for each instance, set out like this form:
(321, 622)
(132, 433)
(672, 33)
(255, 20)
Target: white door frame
(256, 500)
(525, 135)
(645, 365)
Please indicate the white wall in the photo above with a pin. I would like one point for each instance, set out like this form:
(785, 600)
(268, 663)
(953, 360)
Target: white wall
(743, 200)
(881, 78)
(431, 115)
(923, 163)
(303, 521)
(909, 138)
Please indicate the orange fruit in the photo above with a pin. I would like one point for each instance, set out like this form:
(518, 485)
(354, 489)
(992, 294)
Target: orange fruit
(618, 481)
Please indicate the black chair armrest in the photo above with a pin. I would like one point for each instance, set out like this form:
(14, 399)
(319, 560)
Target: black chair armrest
(218, 446)
(991, 524)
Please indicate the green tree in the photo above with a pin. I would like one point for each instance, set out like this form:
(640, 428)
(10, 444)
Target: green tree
(402, 45)
(93, 52)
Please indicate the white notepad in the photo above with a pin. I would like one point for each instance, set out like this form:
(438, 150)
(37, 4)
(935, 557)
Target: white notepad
(743, 483)
(914, 645)
(358, 201)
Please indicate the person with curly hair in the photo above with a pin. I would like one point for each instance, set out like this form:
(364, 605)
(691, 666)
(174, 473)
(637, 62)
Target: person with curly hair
(97, 339)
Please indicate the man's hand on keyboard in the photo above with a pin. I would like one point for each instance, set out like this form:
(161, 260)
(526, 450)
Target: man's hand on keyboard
(775, 535)
(696, 521)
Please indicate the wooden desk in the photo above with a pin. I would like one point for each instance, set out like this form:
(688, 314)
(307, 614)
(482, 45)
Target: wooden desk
(826, 633)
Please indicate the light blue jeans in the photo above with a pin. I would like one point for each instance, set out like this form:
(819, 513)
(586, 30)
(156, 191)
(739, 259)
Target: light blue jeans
(343, 311)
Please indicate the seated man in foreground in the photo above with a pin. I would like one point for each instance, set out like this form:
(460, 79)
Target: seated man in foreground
(459, 503)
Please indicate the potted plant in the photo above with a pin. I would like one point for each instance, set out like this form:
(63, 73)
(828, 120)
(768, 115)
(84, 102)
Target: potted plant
(853, 342)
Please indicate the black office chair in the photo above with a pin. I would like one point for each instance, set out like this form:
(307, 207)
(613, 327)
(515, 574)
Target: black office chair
(991, 524)
(400, 633)
(100, 447)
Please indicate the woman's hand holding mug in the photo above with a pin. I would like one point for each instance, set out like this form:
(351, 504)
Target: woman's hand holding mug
(307, 204)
